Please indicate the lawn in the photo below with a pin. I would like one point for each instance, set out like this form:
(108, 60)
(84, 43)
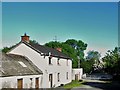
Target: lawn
(74, 83)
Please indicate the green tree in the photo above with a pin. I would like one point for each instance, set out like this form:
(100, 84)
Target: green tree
(33, 41)
(112, 61)
(79, 47)
(93, 55)
(92, 61)
(5, 49)
(87, 66)
(53, 44)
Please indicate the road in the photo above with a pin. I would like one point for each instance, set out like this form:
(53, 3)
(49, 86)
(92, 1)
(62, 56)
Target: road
(98, 85)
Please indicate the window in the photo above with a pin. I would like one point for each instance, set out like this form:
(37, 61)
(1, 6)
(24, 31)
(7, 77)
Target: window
(67, 62)
(67, 75)
(58, 61)
(50, 77)
(44, 56)
(31, 83)
(50, 62)
(51, 80)
(22, 64)
(58, 77)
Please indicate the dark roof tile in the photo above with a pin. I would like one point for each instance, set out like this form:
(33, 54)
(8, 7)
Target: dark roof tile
(46, 50)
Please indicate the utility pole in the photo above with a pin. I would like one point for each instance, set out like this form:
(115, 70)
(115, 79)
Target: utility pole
(55, 39)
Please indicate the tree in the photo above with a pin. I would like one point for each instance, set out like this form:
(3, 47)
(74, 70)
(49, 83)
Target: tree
(5, 49)
(87, 66)
(112, 61)
(93, 55)
(94, 60)
(53, 44)
(33, 41)
(79, 47)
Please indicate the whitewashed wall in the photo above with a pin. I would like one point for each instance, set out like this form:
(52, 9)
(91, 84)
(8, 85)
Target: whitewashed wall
(11, 82)
(43, 64)
(78, 71)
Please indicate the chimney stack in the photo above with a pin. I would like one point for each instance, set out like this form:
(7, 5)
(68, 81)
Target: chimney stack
(25, 38)
(59, 49)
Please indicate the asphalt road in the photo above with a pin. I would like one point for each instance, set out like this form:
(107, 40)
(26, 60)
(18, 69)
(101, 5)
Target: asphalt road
(98, 85)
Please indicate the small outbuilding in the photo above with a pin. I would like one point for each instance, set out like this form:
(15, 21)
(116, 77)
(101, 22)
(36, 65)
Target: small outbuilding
(77, 73)
(19, 72)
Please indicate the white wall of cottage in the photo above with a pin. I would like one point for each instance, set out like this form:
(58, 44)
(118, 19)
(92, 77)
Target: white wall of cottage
(11, 81)
(43, 64)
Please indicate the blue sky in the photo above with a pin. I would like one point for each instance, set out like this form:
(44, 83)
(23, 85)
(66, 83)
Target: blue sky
(94, 23)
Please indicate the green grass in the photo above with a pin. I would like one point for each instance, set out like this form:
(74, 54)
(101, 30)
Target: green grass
(74, 83)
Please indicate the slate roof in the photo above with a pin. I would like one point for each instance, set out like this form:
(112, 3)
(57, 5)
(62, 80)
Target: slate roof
(46, 50)
(12, 67)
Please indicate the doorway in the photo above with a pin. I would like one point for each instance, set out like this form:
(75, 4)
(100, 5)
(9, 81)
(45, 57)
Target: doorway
(20, 83)
(37, 83)
(76, 77)
(50, 79)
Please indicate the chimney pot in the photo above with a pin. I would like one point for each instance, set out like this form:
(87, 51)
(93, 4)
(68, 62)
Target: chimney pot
(59, 49)
(25, 38)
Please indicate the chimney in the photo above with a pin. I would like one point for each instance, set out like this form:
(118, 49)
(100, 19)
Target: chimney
(25, 38)
(59, 49)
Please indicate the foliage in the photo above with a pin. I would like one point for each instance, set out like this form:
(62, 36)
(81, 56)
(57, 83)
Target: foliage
(33, 41)
(6, 49)
(87, 66)
(93, 55)
(93, 58)
(112, 61)
(79, 46)
(53, 44)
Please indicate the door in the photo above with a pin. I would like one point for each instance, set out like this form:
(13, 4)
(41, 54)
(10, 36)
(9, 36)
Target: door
(37, 83)
(20, 83)
(76, 77)
(50, 79)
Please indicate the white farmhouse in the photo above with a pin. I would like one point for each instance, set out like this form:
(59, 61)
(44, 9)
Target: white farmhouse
(19, 72)
(55, 66)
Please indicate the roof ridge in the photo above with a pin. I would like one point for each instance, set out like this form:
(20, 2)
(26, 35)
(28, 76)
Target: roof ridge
(46, 50)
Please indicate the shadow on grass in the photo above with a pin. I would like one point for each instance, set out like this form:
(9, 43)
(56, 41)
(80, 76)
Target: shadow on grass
(104, 86)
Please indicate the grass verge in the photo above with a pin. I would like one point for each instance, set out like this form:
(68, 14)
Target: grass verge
(74, 83)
